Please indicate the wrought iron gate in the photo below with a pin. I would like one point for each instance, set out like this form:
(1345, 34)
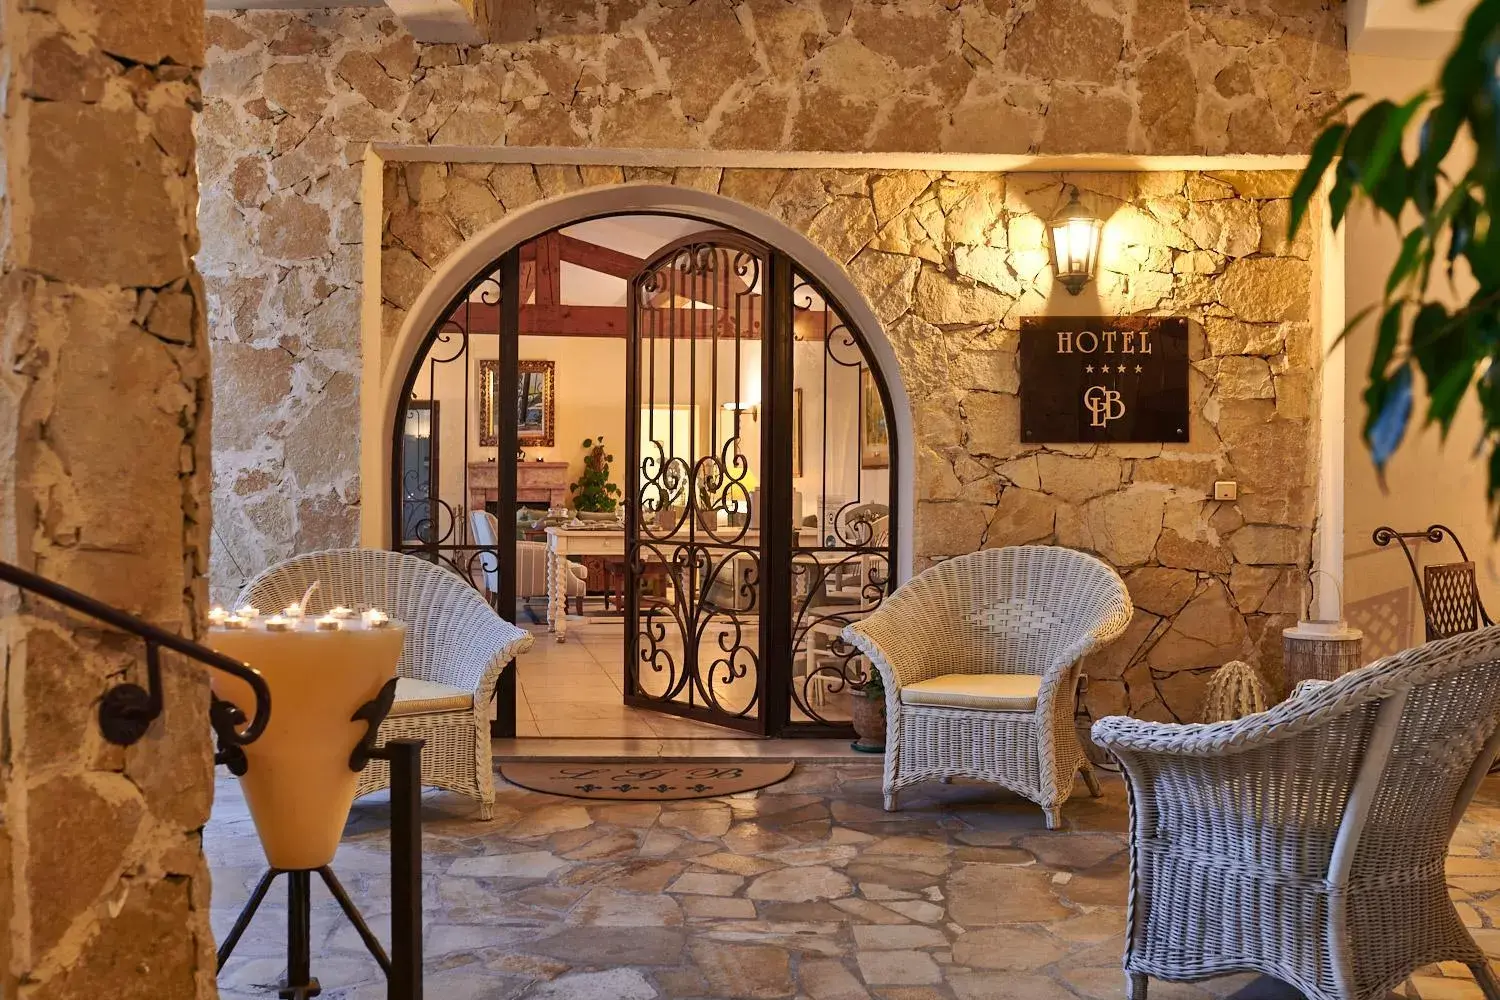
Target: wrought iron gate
(760, 517)
(696, 558)
(734, 606)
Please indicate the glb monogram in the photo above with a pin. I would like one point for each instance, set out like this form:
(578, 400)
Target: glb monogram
(1104, 405)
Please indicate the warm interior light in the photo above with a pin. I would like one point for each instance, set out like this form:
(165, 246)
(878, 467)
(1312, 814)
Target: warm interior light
(1075, 245)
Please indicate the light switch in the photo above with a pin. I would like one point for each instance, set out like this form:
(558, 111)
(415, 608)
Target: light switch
(1226, 489)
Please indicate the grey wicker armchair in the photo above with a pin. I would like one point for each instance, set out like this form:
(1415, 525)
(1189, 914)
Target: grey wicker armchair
(980, 658)
(456, 647)
(1308, 842)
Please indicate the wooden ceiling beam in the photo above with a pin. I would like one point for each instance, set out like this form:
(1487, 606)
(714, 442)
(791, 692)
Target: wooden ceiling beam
(548, 270)
(598, 258)
(528, 280)
(551, 320)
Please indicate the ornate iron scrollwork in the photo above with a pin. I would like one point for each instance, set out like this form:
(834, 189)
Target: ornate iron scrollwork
(372, 713)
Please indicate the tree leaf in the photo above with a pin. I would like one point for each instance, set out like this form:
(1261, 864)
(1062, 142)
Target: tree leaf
(1406, 260)
(1323, 150)
(1385, 151)
(1387, 335)
(1389, 411)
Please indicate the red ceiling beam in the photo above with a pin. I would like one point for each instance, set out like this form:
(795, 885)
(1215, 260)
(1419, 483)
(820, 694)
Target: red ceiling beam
(613, 321)
(598, 258)
(548, 270)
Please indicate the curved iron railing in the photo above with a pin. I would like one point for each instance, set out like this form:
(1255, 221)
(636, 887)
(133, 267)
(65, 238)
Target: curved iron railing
(127, 710)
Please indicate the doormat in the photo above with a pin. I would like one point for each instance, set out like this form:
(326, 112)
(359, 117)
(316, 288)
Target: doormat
(658, 781)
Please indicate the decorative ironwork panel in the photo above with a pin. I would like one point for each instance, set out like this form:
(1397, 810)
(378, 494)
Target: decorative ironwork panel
(842, 502)
(693, 547)
(1452, 599)
(434, 515)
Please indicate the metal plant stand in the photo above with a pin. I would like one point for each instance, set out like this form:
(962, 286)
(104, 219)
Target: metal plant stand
(127, 711)
(403, 966)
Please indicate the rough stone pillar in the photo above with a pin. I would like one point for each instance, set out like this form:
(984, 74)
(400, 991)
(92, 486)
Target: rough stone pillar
(104, 477)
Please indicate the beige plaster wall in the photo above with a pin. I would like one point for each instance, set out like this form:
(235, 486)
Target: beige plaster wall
(104, 457)
(951, 262)
(292, 97)
(1428, 481)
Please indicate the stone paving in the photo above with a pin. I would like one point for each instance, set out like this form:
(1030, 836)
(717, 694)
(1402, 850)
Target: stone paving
(806, 889)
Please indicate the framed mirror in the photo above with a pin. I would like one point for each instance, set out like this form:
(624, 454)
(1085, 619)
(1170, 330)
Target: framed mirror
(534, 404)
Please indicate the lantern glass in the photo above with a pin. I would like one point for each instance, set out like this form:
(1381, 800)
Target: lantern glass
(1075, 245)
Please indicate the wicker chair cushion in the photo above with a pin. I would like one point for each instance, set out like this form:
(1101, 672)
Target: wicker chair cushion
(417, 697)
(985, 692)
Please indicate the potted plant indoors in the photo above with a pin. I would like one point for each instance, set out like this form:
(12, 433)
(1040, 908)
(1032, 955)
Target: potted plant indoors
(867, 713)
(593, 493)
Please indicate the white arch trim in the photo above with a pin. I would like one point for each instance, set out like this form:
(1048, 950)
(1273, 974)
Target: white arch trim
(480, 253)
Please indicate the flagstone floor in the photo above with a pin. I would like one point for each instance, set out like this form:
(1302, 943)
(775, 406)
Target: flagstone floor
(806, 889)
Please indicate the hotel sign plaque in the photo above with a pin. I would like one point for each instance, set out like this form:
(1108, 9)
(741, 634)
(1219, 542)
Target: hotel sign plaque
(1104, 378)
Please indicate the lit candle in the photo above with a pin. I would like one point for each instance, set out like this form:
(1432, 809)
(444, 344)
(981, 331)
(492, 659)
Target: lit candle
(375, 618)
(328, 623)
(276, 623)
(340, 612)
(234, 621)
(216, 615)
(293, 610)
(248, 612)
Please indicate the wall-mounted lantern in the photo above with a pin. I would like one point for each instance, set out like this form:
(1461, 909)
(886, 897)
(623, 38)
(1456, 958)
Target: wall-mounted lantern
(1075, 245)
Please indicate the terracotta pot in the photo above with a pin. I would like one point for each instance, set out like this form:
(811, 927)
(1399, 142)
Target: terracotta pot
(299, 786)
(868, 717)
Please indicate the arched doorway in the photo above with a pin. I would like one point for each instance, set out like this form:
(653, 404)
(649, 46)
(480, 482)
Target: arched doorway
(746, 546)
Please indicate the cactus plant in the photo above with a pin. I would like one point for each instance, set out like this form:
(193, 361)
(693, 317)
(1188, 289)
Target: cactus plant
(1234, 690)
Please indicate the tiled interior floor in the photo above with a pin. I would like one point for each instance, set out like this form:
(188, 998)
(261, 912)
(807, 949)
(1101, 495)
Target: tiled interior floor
(573, 689)
(806, 889)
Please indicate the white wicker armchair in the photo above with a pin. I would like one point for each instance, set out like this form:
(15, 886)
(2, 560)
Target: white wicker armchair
(456, 647)
(531, 565)
(1308, 842)
(980, 658)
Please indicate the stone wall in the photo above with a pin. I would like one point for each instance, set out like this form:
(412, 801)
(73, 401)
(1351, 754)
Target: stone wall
(104, 456)
(951, 262)
(291, 99)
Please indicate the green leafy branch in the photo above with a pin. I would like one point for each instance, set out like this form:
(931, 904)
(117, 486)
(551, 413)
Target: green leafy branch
(1444, 219)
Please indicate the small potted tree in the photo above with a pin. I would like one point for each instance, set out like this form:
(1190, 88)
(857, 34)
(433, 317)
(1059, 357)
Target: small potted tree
(593, 493)
(867, 713)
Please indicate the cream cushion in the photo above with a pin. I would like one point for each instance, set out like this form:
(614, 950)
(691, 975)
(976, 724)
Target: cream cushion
(986, 692)
(417, 697)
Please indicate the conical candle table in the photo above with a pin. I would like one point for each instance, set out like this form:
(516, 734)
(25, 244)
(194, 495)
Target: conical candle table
(332, 681)
(299, 785)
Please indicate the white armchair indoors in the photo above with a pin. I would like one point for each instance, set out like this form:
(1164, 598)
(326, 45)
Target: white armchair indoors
(456, 647)
(980, 658)
(531, 565)
(1308, 842)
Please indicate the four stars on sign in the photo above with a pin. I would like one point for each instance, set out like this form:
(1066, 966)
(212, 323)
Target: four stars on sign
(1104, 369)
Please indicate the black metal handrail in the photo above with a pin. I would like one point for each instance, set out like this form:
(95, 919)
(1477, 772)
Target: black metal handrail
(127, 710)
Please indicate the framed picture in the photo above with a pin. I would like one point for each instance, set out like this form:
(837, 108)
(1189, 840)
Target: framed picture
(796, 433)
(874, 435)
(534, 404)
